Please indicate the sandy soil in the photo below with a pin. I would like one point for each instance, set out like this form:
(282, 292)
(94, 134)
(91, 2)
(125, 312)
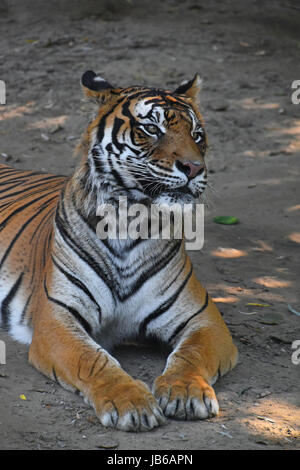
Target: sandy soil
(248, 55)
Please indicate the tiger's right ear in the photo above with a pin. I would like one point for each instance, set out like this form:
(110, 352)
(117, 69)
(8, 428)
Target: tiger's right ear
(96, 87)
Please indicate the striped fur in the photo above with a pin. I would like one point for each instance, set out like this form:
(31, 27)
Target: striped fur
(72, 296)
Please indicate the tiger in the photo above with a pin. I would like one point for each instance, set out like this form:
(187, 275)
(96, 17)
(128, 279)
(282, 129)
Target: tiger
(72, 296)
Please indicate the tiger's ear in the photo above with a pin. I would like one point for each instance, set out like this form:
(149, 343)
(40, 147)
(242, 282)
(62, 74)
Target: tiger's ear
(96, 87)
(190, 88)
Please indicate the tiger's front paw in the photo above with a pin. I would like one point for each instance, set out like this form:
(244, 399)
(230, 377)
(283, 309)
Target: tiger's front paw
(185, 398)
(128, 406)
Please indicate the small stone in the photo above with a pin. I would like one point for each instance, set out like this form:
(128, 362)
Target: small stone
(108, 444)
(271, 319)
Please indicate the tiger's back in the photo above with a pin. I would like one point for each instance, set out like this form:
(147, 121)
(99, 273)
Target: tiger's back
(28, 201)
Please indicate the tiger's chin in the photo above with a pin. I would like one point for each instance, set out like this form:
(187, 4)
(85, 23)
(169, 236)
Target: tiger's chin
(179, 196)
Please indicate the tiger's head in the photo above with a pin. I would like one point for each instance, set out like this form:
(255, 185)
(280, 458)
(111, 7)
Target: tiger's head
(145, 143)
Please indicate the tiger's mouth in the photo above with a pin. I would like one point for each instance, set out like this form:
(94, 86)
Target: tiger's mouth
(182, 190)
(157, 190)
(180, 194)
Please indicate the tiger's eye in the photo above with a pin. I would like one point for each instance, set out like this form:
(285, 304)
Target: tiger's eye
(152, 129)
(197, 136)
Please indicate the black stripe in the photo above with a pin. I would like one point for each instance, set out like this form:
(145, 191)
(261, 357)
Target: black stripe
(76, 391)
(162, 262)
(25, 307)
(99, 167)
(9, 171)
(118, 178)
(158, 165)
(133, 150)
(147, 274)
(24, 174)
(159, 173)
(86, 257)
(102, 123)
(86, 326)
(13, 181)
(35, 259)
(115, 253)
(23, 228)
(78, 284)
(25, 178)
(116, 127)
(16, 180)
(183, 324)
(91, 262)
(55, 376)
(165, 305)
(165, 288)
(101, 367)
(91, 223)
(44, 220)
(20, 209)
(25, 190)
(5, 310)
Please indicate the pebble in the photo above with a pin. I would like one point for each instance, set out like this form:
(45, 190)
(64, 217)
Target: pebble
(108, 444)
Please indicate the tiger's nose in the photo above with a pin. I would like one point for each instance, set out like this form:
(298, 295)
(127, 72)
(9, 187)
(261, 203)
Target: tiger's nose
(190, 169)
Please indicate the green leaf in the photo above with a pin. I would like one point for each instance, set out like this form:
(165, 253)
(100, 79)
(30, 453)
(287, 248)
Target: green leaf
(226, 220)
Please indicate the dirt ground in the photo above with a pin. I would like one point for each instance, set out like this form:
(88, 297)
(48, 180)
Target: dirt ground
(247, 53)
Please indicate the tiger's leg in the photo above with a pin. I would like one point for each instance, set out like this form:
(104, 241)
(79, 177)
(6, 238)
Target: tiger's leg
(202, 351)
(63, 351)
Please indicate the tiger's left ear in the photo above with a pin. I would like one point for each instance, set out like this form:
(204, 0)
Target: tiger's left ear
(190, 88)
(96, 87)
